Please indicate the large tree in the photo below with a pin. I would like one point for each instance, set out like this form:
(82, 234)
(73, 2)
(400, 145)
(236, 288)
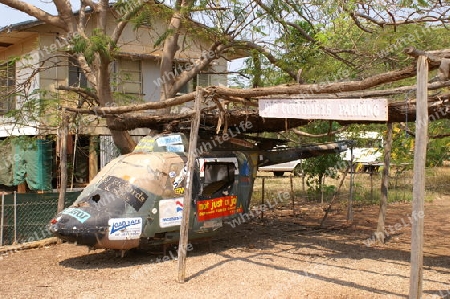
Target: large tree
(353, 46)
(95, 52)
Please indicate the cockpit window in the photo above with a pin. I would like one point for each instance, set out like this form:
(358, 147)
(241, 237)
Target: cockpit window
(219, 176)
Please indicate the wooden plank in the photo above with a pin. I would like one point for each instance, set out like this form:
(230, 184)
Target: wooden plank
(420, 152)
(184, 228)
(334, 109)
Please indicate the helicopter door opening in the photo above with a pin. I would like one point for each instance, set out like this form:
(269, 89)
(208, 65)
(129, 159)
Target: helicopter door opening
(218, 178)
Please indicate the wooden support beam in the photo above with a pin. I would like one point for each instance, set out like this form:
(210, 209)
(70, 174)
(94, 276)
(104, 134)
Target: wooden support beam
(184, 228)
(420, 152)
(63, 131)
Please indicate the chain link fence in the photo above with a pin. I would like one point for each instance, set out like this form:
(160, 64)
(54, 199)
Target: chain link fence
(24, 217)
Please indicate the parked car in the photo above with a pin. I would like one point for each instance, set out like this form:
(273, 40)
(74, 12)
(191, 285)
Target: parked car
(280, 168)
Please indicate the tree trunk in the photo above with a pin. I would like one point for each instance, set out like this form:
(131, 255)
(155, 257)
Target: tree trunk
(380, 232)
(93, 157)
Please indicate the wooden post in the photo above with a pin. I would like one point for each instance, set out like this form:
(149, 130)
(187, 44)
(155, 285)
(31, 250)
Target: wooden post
(262, 197)
(15, 218)
(420, 153)
(292, 195)
(63, 160)
(352, 182)
(2, 219)
(22, 188)
(384, 186)
(184, 228)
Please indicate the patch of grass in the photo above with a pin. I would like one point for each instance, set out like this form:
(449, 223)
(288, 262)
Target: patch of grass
(366, 187)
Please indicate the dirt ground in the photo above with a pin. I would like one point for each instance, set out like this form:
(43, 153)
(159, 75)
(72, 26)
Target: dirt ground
(280, 256)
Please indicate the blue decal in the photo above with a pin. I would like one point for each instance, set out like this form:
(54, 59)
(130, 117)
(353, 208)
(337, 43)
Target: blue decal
(78, 214)
(175, 148)
(168, 140)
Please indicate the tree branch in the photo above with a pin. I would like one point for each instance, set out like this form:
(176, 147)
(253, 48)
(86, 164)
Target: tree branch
(305, 134)
(65, 12)
(336, 87)
(81, 91)
(125, 19)
(146, 106)
(36, 12)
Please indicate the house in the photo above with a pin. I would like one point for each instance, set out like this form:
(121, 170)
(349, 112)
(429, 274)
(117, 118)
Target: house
(135, 77)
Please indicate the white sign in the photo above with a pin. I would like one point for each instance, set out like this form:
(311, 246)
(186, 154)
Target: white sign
(169, 140)
(170, 212)
(337, 109)
(125, 228)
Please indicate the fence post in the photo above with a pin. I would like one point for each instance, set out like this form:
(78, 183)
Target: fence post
(352, 182)
(292, 195)
(262, 197)
(15, 217)
(2, 219)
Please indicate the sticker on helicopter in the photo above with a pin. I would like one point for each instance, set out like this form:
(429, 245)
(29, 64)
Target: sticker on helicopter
(169, 140)
(170, 212)
(145, 145)
(125, 228)
(179, 190)
(78, 214)
(131, 194)
(175, 148)
(217, 208)
(180, 178)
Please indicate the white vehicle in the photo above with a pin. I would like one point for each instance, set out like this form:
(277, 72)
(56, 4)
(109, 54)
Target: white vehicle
(280, 168)
(368, 150)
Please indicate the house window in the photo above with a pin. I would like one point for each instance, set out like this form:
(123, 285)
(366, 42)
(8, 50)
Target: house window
(7, 86)
(177, 69)
(77, 77)
(129, 77)
(203, 80)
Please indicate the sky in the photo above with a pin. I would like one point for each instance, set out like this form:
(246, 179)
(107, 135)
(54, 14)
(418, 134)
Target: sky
(12, 16)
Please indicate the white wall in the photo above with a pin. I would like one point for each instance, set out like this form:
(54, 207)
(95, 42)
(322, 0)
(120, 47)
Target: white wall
(150, 76)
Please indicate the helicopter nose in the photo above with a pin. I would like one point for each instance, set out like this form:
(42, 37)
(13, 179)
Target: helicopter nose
(73, 228)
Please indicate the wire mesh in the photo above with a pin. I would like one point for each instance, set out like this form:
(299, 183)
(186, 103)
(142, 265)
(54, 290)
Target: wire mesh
(26, 218)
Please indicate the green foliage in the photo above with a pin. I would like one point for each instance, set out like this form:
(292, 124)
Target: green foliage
(98, 43)
(437, 149)
(317, 168)
(316, 190)
(163, 37)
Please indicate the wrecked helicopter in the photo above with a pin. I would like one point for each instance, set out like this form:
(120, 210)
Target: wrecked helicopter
(137, 199)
